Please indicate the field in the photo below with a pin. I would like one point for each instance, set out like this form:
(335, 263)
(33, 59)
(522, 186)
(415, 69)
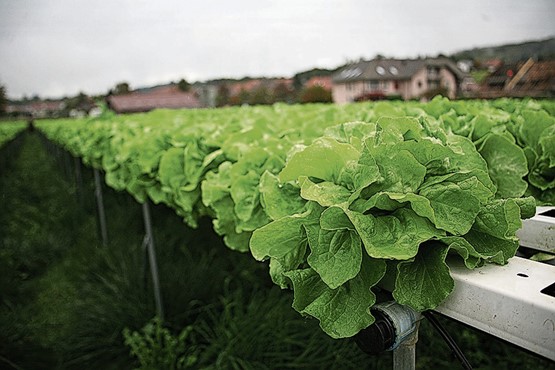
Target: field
(292, 186)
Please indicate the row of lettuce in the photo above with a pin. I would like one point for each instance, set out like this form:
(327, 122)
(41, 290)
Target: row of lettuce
(9, 130)
(339, 199)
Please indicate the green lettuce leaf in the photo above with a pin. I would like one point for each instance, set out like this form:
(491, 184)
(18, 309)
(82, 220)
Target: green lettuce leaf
(279, 200)
(454, 209)
(394, 236)
(344, 311)
(277, 238)
(326, 193)
(399, 170)
(424, 282)
(324, 159)
(337, 254)
(507, 165)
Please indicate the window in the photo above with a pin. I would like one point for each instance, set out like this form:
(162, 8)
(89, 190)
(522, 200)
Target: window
(372, 85)
(393, 70)
(419, 84)
(432, 71)
(380, 70)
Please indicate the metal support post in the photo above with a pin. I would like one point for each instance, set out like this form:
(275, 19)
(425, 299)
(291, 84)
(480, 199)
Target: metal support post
(395, 329)
(100, 207)
(67, 165)
(78, 180)
(149, 241)
(404, 356)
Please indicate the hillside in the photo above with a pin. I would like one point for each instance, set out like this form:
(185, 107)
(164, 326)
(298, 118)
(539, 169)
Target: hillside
(541, 50)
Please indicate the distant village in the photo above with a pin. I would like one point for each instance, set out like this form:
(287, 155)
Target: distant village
(377, 79)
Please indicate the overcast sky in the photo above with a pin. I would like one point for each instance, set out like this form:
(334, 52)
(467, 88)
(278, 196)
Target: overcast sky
(60, 47)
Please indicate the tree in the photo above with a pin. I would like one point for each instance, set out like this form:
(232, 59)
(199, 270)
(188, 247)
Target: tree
(260, 96)
(222, 98)
(121, 88)
(315, 94)
(3, 99)
(300, 78)
(282, 93)
(244, 97)
(239, 99)
(78, 103)
(183, 85)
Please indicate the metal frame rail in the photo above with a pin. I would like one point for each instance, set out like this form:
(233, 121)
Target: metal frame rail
(538, 232)
(515, 302)
(507, 301)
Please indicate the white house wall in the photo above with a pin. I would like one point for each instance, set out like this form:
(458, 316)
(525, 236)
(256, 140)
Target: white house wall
(339, 93)
(415, 90)
(347, 92)
(449, 82)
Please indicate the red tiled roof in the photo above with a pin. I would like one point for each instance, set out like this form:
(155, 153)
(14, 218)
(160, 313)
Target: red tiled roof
(161, 97)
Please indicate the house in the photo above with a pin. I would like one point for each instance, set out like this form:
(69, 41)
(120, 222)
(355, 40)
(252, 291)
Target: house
(538, 80)
(523, 79)
(404, 78)
(251, 85)
(36, 108)
(465, 65)
(206, 92)
(255, 91)
(492, 65)
(144, 100)
(497, 79)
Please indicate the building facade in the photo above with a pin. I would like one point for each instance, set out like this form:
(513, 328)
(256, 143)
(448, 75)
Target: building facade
(144, 100)
(405, 79)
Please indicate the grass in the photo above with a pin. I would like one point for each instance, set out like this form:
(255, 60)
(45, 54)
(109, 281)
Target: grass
(259, 330)
(32, 240)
